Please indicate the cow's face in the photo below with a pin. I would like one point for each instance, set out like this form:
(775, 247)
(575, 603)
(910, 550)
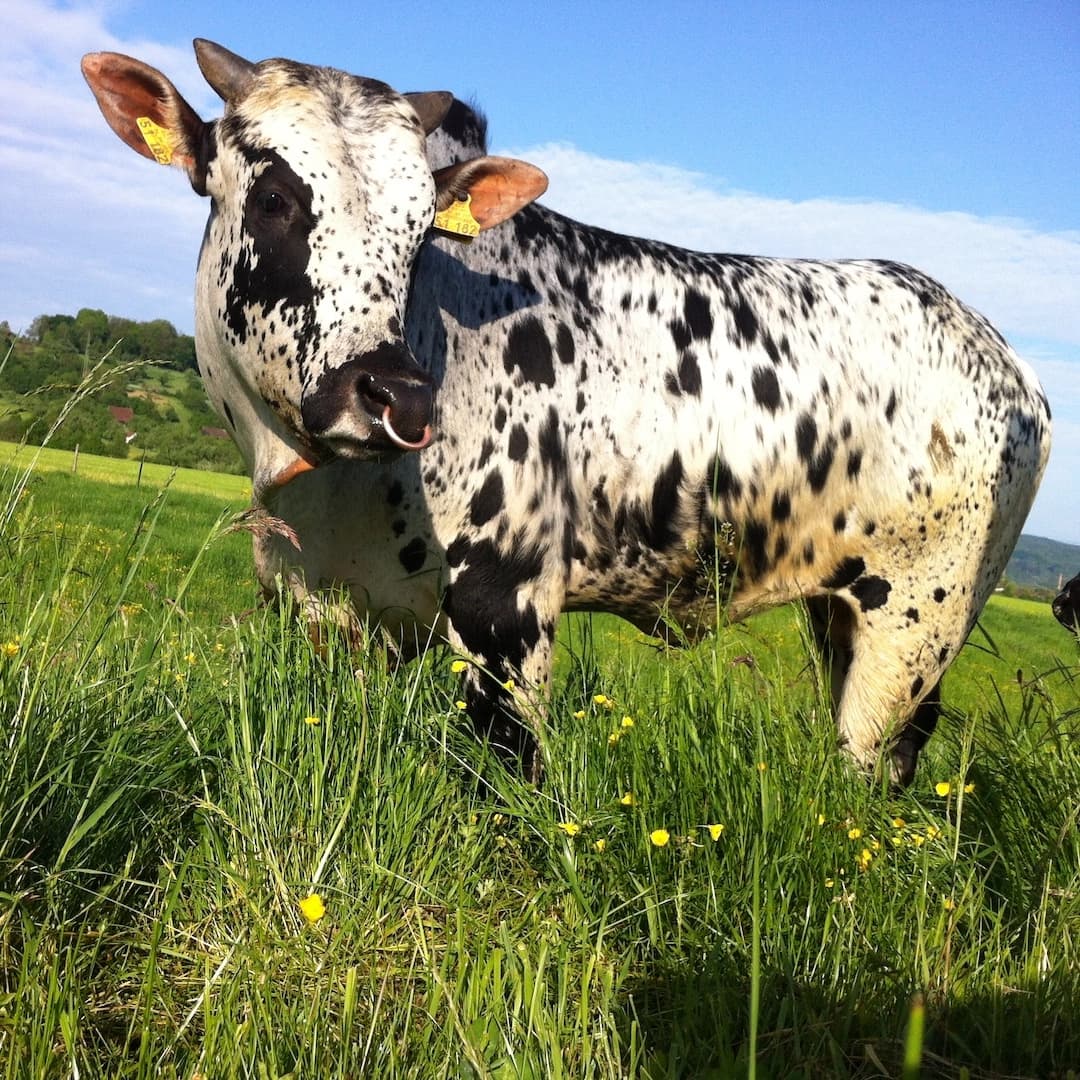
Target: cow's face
(321, 195)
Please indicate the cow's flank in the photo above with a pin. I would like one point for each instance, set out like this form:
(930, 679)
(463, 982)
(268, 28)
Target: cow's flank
(476, 421)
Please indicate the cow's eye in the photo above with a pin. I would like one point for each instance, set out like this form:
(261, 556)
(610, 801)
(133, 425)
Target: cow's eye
(271, 203)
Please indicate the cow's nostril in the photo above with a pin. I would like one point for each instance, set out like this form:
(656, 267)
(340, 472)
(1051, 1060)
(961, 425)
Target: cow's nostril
(371, 402)
(374, 395)
(403, 406)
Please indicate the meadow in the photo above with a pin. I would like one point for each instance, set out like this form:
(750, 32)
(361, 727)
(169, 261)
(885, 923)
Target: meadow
(225, 852)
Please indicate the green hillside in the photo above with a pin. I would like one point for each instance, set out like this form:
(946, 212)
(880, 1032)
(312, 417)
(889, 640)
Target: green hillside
(1040, 562)
(147, 400)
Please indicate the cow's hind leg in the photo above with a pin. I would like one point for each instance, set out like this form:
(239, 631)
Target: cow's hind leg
(835, 628)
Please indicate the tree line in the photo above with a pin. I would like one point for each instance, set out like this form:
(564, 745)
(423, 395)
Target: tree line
(93, 333)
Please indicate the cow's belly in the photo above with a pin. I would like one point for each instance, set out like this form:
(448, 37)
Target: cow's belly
(683, 592)
(722, 562)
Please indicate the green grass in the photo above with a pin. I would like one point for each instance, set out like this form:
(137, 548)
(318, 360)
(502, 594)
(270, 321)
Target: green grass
(165, 804)
(125, 472)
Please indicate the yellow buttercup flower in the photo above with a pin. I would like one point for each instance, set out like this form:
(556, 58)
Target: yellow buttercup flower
(602, 699)
(627, 721)
(614, 737)
(313, 721)
(864, 859)
(460, 706)
(10, 648)
(761, 766)
(948, 903)
(600, 844)
(659, 837)
(821, 819)
(458, 666)
(943, 787)
(854, 833)
(627, 799)
(312, 908)
(571, 828)
(715, 831)
(580, 714)
(969, 788)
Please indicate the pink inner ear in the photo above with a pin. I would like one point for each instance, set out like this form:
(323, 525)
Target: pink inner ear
(127, 89)
(502, 188)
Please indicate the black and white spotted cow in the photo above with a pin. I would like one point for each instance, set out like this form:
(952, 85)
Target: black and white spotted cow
(619, 425)
(1066, 605)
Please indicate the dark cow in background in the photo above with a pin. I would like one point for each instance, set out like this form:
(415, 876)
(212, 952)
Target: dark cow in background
(1066, 605)
(619, 425)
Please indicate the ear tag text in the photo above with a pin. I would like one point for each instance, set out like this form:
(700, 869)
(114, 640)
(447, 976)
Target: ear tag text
(157, 138)
(458, 220)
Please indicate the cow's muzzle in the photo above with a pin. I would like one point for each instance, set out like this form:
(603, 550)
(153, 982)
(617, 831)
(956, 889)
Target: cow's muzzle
(373, 403)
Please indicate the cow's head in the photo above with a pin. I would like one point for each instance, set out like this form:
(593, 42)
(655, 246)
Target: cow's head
(321, 196)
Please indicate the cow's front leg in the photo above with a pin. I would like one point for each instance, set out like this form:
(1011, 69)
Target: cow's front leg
(504, 713)
(510, 636)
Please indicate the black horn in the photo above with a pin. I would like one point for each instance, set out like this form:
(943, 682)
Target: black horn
(229, 75)
(431, 107)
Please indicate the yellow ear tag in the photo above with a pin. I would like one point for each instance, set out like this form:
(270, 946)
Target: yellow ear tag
(457, 219)
(159, 140)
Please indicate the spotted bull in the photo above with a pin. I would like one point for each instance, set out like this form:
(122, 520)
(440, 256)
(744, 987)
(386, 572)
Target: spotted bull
(472, 437)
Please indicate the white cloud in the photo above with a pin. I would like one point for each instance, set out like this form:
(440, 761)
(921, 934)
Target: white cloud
(86, 222)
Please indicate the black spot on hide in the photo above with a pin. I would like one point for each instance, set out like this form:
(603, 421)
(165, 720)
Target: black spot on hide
(488, 501)
(413, 555)
(529, 350)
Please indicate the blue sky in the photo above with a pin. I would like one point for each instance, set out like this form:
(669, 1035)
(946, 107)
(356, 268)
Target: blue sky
(941, 134)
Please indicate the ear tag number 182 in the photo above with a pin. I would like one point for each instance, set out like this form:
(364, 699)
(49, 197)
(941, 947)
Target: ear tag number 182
(458, 220)
(157, 138)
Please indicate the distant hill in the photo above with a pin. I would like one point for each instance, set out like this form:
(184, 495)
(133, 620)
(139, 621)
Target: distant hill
(1041, 563)
(150, 404)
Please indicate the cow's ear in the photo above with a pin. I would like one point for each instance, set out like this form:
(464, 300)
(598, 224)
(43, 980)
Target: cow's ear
(146, 111)
(492, 189)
